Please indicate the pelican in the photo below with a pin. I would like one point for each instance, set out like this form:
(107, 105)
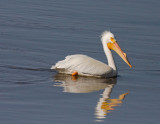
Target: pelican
(83, 65)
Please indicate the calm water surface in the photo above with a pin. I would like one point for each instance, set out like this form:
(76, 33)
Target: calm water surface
(36, 34)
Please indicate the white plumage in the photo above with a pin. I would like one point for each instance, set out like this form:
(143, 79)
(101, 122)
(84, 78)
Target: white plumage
(84, 65)
(87, 66)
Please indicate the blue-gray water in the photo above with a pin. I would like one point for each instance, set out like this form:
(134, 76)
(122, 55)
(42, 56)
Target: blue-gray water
(35, 34)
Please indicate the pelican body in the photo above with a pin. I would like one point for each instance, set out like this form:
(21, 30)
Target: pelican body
(83, 65)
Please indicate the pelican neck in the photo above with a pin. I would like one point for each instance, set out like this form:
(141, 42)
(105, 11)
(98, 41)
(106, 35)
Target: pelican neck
(109, 56)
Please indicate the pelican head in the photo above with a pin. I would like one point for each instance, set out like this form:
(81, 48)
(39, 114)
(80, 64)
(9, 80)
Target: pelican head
(112, 44)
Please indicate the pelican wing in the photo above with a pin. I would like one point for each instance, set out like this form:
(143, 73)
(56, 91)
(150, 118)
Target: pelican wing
(84, 65)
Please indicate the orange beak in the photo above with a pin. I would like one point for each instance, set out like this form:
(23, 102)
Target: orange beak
(114, 46)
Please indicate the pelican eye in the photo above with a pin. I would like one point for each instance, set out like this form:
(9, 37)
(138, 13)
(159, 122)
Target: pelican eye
(112, 39)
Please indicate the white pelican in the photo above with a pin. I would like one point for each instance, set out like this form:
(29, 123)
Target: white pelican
(86, 66)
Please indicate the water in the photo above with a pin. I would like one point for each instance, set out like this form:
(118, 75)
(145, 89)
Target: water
(36, 34)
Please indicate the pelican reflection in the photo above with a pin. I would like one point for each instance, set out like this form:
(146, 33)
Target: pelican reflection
(82, 84)
(89, 84)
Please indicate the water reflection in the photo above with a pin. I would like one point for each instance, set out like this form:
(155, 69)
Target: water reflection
(89, 84)
(106, 104)
(82, 84)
